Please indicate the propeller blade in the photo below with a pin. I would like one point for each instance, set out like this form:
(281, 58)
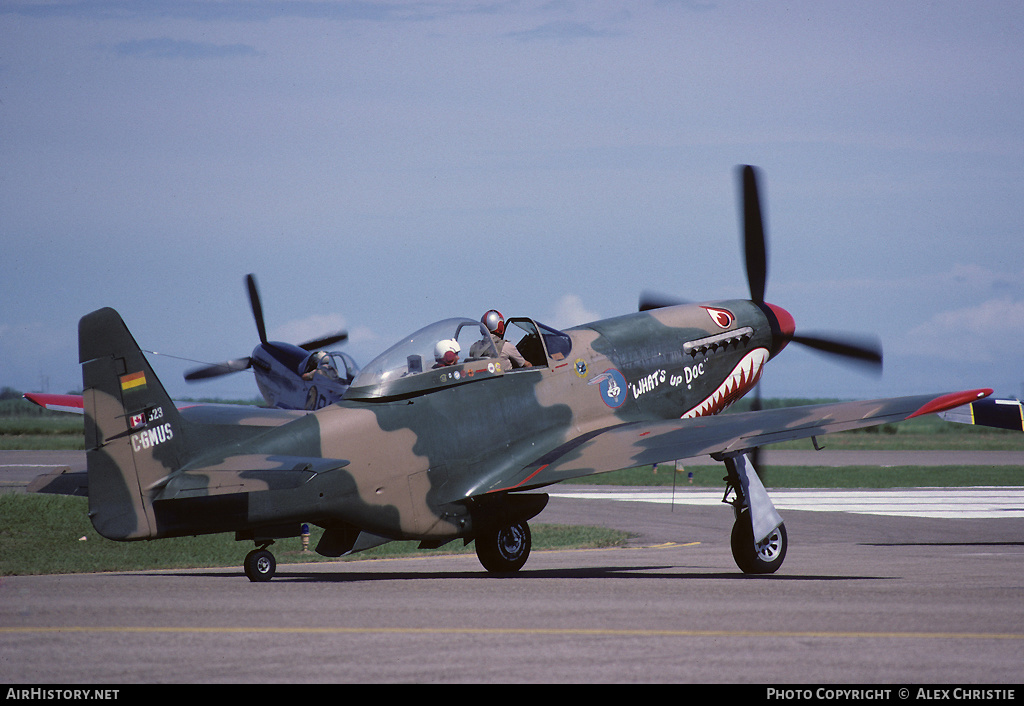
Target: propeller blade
(257, 308)
(654, 300)
(863, 351)
(755, 247)
(218, 369)
(325, 341)
(755, 453)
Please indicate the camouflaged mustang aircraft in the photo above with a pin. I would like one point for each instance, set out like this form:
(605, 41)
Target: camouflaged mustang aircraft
(435, 449)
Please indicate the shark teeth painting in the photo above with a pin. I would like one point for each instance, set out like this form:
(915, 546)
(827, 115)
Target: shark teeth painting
(744, 376)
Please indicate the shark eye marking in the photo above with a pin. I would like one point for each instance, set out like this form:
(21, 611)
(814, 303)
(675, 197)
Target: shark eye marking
(723, 318)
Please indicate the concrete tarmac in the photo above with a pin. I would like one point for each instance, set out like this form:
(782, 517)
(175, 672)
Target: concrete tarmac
(861, 599)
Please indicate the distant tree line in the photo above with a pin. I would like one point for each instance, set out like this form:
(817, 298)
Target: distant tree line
(12, 405)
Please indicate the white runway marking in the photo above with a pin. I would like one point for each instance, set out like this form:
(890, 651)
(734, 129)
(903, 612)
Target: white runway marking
(946, 503)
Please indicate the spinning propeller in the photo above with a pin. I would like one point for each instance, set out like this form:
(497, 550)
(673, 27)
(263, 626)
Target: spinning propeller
(862, 351)
(238, 364)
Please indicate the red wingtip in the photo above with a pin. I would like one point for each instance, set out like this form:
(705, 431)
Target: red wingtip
(953, 399)
(50, 401)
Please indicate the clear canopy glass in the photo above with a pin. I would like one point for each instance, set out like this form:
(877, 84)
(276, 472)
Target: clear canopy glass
(422, 353)
(452, 352)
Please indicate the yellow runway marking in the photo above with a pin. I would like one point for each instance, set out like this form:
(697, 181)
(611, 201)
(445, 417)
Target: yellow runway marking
(551, 632)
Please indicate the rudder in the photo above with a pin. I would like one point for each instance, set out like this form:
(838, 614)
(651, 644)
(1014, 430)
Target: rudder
(134, 436)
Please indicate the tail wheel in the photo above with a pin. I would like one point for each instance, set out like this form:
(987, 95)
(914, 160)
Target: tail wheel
(260, 565)
(764, 557)
(504, 551)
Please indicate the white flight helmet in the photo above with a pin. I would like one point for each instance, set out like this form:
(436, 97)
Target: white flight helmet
(447, 351)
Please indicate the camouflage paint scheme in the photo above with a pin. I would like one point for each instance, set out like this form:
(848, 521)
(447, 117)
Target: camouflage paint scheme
(453, 451)
(436, 457)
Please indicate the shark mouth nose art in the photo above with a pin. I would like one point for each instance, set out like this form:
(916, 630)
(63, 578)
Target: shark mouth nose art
(744, 376)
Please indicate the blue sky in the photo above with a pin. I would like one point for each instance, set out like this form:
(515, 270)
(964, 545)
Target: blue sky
(383, 165)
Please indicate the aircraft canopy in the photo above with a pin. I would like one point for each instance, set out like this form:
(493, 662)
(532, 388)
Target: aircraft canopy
(413, 365)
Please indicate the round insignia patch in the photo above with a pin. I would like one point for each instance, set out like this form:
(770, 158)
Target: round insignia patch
(613, 387)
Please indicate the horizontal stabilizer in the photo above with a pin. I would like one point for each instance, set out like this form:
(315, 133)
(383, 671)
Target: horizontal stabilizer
(203, 412)
(247, 473)
(57, 403)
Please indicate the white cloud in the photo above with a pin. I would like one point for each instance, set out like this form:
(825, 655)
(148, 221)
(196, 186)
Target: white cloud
(570, 311)
(986, 332)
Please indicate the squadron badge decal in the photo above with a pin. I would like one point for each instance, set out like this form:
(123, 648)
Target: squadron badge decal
(613, 387)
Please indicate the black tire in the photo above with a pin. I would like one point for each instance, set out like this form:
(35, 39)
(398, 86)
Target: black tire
(764, 558)
(260, 565)
(504, 551)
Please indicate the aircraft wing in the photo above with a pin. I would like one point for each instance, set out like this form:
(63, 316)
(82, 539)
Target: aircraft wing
(193, 411)
(59, 403)
(1002, 414)
(643, 443)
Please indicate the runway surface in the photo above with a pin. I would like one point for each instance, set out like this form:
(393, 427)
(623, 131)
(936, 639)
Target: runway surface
(948, 503)
(861, 598)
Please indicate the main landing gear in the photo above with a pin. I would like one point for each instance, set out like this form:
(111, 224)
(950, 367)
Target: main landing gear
(502, 536)
(501, 551)
(759, 539)
(764, 557)
(504, 550)
(260, 565)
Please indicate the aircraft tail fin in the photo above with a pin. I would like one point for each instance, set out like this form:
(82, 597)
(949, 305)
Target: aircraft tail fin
(134, 435)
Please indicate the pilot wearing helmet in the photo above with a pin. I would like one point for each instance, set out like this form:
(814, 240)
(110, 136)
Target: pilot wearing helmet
(446, 353)
(508, 355)
(320, 363)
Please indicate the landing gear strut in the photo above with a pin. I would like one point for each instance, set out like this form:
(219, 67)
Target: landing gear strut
(260, 565)
(759, 539)
(504, 550)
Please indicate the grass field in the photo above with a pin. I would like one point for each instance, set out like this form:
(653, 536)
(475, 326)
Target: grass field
(51, 534)
(49, 433)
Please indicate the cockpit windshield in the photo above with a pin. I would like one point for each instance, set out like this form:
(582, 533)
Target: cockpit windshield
(451, 352)
(448, 350)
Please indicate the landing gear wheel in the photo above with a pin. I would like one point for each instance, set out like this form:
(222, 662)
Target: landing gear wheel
(763, 558)
(260, 565)
(504, 551)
